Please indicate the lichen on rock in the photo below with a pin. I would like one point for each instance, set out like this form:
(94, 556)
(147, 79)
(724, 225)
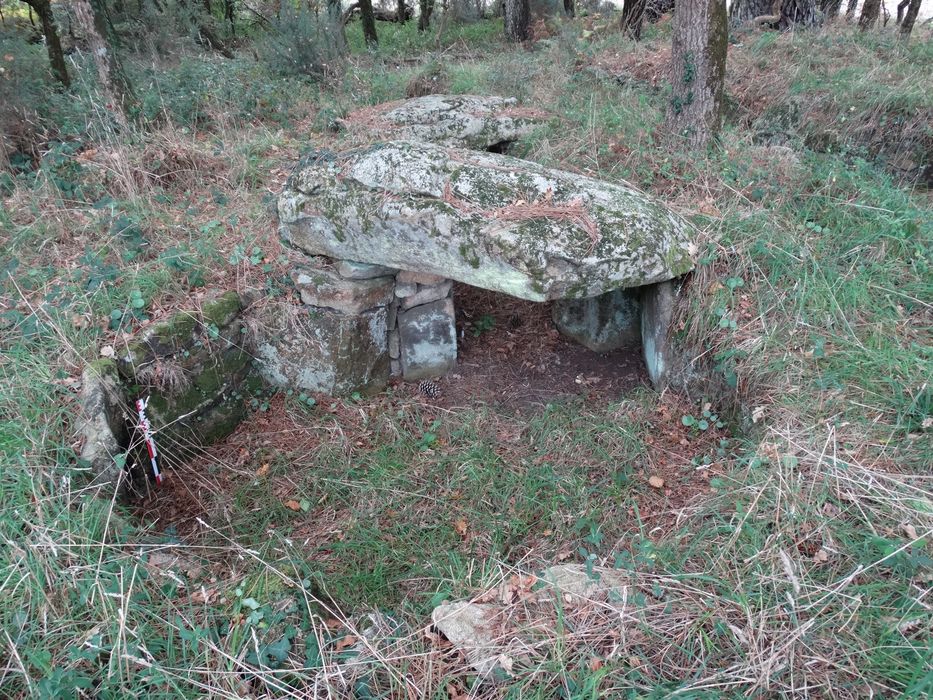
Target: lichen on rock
(484, 219)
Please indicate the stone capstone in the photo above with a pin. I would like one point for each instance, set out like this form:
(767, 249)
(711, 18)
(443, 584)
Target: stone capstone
(604, 323)
(321, 287)
(428, 340)
(322, 350)
(468, 121)
(484, 219)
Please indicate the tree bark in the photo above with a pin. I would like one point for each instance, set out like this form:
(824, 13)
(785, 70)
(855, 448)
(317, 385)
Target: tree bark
(901, 6)
(369, 23)
(869, 15)
(91, 15)
(569, 9)
(907, 24)
(741, 11)
(517, 17)
(831, 8)
(633, 16)
(336, 25)
(53, 43)
(850, 10)
(796, 13)
(424, 16)
(698, 68)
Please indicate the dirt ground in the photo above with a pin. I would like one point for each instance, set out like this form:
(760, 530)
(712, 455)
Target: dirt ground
(512, 356)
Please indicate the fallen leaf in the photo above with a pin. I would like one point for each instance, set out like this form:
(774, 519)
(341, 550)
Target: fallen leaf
(461, 527)
(345, 642)
(656, 482)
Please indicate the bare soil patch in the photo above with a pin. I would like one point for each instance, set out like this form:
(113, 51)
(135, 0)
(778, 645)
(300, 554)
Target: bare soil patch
(511, 355)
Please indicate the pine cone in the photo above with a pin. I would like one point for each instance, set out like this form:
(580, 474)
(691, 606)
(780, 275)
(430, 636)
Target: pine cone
(429, 388)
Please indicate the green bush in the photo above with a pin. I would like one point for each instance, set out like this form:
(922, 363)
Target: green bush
(301, 43)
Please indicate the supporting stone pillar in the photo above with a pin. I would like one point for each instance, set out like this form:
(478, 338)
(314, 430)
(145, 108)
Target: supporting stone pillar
(604, 323)
(335, 342)
(423, 341)
(657, 309)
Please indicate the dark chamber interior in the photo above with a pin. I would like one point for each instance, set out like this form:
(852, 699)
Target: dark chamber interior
(510, 352)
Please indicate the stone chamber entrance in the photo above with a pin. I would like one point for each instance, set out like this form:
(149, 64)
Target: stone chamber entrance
(510, 353)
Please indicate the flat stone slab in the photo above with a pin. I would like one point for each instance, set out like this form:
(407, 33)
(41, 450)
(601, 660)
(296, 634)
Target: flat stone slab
(325, 288)
(604, 323)
(484, 219)
(469, 121)
(428, 340)
(317, 349)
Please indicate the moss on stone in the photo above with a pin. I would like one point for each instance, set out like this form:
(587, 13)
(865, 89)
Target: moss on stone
(222, 310)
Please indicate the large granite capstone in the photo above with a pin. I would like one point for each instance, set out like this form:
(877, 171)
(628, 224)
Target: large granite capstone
(484, 219)
(482, 122)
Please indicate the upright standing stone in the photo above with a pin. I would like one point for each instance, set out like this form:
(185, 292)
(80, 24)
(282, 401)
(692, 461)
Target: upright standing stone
(604, 323)
(428, 340)
(657, 310)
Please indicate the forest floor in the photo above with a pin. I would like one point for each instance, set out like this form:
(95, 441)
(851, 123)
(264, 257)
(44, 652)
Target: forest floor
(787, 552)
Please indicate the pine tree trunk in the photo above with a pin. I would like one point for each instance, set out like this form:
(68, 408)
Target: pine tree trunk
(401, 12)
(799, 13)
(92, 16)
(741, 11)
(424, 16)
(698, 69)
(907, 24)
(517, 17)
(369, 23)
(633, 16)
(869, 15)
(831, 8)
(850, 10)
(901, 6)
(569, 9)
(336, 27)
(53, 43)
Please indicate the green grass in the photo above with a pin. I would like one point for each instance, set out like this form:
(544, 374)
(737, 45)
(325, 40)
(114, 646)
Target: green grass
(822, 260)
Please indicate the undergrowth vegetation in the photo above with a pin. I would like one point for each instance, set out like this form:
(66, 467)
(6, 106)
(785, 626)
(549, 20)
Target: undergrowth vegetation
(790, 551)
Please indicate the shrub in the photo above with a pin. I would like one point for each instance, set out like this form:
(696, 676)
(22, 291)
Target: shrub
(301, 42)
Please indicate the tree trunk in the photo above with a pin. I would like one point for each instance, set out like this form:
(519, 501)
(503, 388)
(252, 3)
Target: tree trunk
(53, 43)
(369, 23)
(336, 26)
(850, 10)
(230, 15)
(831, 8)
(741, 11)
(907, 25)
(800, 13)
(91, 15)
(633, 16)
(869, 15)
(698, 68)
(424, 16)
(569, 9)
(401, 12)
(517, 16)
(901, 6)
